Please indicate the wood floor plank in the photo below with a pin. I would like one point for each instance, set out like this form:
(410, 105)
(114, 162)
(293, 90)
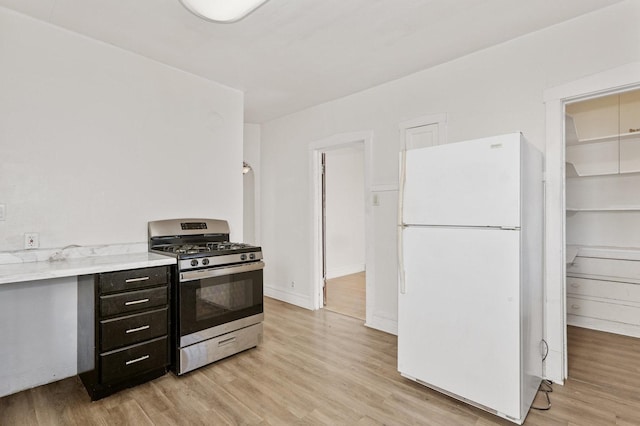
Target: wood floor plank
(233, 410)
(12, 408)
(54, 403)
(129, 412)
(325, 368)
(347, 294)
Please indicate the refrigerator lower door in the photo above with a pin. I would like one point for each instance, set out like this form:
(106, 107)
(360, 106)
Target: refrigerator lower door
(458, 319)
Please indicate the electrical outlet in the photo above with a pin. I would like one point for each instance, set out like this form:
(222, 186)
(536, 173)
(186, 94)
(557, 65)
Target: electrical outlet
(31, 240)
(3, 210)
(293, 284)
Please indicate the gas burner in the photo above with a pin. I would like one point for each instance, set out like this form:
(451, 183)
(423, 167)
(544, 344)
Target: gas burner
(189, 249)
(185, 249)
(226, 246)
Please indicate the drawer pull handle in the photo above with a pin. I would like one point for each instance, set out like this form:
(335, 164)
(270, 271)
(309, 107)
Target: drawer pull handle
(135, 280)
(575, 306)
(133, 330)
(575, 285)
(133, 361)
(135, 302)
(226, 341)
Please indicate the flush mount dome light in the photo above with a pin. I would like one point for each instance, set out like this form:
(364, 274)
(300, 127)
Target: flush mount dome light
(222, 10)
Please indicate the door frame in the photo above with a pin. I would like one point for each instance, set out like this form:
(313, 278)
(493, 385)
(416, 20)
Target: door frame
(338, 141)
(439, 120)
(615, 80)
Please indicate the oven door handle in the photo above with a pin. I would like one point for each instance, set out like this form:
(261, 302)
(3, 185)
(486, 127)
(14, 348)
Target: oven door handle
(218, 272)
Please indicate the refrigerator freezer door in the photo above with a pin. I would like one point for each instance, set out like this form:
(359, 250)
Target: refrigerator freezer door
(473, 183)
(458, 321)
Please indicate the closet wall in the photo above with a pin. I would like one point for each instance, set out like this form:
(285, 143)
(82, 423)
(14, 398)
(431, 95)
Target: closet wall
(603, 213)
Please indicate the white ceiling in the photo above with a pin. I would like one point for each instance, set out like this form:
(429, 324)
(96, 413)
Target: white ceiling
(291, 54)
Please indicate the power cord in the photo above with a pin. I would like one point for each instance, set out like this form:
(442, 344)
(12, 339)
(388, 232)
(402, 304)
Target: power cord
(545, 386)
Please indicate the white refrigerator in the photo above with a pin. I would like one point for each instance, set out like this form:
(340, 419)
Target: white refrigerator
(470, 271)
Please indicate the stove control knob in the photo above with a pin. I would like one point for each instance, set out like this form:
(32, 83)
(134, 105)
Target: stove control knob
(194, 262)
(252, 256)
(243, 257)
(205, 262)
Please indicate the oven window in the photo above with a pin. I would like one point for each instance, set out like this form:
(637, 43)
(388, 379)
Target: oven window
(222, 299)
(210, 302)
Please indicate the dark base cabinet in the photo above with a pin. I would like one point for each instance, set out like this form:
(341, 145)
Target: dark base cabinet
(123, 323)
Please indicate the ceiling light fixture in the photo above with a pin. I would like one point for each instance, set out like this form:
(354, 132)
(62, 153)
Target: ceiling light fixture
(222, 10)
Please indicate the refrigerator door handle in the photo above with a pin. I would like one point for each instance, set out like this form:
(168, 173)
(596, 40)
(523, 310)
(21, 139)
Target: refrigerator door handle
(403, 285)
(401, 226)
(403, 178)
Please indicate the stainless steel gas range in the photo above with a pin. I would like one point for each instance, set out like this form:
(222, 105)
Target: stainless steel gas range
(217, 296)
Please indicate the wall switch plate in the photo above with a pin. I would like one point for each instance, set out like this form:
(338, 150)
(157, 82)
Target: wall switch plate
(31, 240)
(3, 210)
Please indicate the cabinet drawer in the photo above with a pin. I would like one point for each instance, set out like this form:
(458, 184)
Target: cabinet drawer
(618, 268)
(604, 289)
(131, 329)
(121, 303)
(132, 279)
(128, 362)
(603, 310)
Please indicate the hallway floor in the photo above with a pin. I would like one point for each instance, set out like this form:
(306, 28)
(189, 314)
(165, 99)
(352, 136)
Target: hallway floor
(347, 295)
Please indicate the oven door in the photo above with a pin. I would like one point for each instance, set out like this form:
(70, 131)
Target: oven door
(219, 300)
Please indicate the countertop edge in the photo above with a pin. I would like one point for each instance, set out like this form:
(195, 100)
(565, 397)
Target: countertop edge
(36, 271)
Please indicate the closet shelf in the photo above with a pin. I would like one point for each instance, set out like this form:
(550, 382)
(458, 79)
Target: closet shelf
(571, 172)
(622, 136)
(603, 209)
(571, 252)
(603, 252)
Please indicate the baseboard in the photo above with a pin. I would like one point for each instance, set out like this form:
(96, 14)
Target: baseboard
(604, 325)
(383, 324)
(23, 386)
(289, 297)
(345, 270)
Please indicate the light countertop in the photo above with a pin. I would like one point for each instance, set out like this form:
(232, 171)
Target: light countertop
(81, 265)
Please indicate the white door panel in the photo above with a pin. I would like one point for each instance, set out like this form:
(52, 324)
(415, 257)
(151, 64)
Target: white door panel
(458, 320)
(421, 137)
(473, 183)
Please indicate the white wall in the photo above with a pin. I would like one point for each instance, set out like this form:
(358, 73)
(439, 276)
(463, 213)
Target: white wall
(345, 211)
(94, 142)
(498, 90)
(39, 333)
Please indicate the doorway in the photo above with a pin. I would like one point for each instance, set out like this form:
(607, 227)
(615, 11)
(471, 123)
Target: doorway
(615, 80)
(602, 154)
(344, 231)
(338, 261)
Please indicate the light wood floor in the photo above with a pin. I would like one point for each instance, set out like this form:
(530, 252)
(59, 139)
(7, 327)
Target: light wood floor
(347, 295)
(325, 368)
(609, 361)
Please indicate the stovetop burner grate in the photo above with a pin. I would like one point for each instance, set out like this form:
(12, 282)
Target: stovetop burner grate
(211, 247)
